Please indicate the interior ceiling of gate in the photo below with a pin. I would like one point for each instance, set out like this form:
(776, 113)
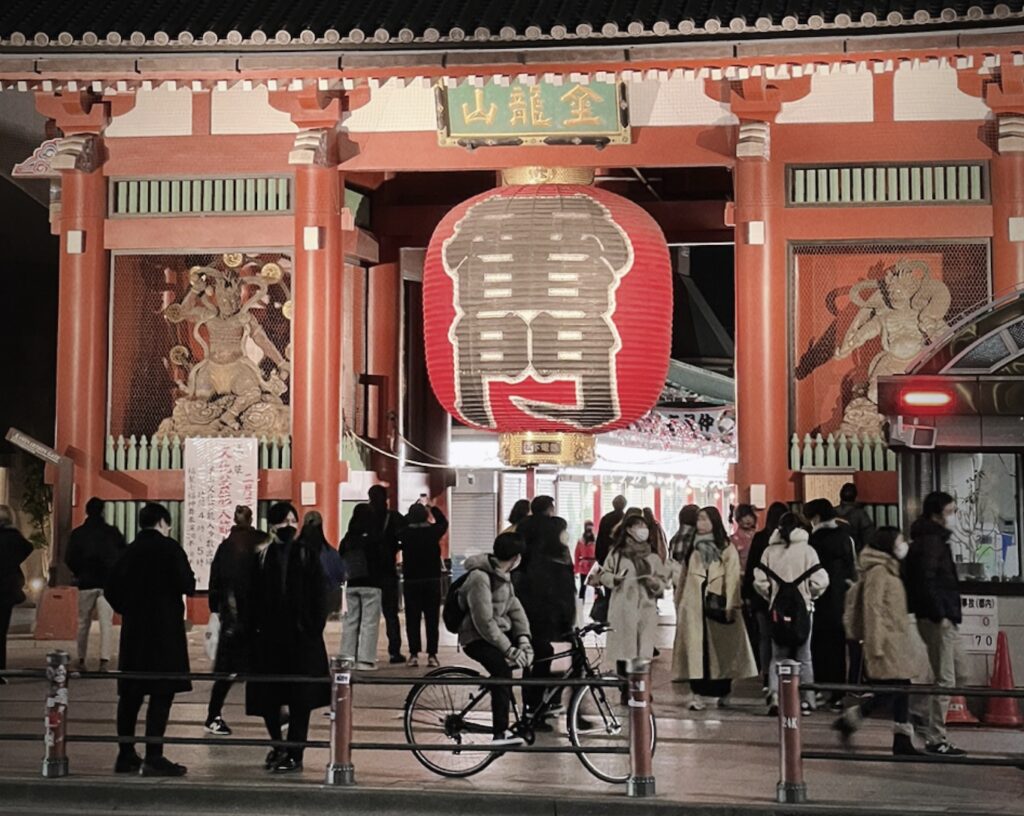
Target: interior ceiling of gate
(657, 188)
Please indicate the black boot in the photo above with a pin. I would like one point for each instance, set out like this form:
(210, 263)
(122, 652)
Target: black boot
(903, 745)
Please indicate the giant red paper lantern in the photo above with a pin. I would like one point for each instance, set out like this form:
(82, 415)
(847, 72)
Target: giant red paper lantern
(547, 308)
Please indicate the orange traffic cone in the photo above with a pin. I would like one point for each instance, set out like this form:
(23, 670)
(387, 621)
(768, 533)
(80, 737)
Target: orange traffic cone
(958, 713)
(1002, 711)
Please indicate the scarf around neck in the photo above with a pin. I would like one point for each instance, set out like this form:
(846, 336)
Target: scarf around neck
(708, 548)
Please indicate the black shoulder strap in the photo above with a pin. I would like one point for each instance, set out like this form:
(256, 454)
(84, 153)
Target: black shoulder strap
(808, 574)
(770, 573)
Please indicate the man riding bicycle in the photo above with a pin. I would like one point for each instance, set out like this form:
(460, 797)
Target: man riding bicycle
(495, 631)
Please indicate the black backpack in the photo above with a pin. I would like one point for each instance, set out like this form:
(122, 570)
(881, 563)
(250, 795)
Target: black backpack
(453, 613)
(790, 620)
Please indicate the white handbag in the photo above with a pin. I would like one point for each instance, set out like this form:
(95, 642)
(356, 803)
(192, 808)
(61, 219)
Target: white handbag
(212, 636)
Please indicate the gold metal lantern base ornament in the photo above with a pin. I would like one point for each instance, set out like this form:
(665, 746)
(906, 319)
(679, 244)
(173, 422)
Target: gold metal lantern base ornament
(532, 448)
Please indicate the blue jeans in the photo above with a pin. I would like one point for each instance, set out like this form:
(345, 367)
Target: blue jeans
(360, 625)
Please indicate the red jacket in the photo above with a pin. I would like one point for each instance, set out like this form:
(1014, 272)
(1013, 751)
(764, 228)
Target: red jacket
(586, 554)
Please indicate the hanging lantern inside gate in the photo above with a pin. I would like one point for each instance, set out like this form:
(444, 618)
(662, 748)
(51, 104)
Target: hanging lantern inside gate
(547, 314)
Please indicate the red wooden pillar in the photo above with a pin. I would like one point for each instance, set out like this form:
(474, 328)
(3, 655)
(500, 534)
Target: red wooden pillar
(1007, 170)
(385, 333)
(316, 343)
(762, 370)
(82, 320)
(1005, 97)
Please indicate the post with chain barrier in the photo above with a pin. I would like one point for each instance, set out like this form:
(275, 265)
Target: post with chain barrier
(641, 778)
(340, 770)
(791, 790)
(55, 754)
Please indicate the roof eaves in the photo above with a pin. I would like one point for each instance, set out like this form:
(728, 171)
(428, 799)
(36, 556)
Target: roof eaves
(634, 34)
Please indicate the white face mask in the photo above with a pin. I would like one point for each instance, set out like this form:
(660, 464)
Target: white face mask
(900, 549)
(639, 533)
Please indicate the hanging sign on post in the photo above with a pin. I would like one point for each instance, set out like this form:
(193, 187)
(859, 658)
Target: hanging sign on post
(220, 473)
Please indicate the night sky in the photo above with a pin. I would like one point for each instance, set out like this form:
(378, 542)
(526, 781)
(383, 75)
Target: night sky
(28, 316)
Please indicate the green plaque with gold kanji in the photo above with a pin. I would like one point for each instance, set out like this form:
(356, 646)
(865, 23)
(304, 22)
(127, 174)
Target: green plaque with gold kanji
(570, 113)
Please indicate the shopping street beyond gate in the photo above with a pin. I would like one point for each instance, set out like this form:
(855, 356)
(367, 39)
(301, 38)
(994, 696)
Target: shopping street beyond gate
(720, 761)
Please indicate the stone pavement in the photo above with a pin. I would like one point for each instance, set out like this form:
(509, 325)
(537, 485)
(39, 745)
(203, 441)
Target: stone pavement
(722, 758)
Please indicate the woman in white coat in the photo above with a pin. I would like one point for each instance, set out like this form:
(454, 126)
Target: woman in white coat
(636, 577)
(711, 645)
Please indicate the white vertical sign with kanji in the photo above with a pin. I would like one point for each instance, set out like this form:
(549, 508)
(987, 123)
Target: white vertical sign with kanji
(980, 626)
(220, 473)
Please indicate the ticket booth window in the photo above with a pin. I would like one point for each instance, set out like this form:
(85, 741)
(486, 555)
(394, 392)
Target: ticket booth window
(986, 528)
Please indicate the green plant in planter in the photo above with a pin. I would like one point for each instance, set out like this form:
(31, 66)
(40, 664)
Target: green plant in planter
(37, 501)
(975, 526)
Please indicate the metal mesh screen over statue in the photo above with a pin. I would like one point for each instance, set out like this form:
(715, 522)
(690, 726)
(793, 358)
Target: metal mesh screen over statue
(868, 309)
(200, 345)
(547, 308)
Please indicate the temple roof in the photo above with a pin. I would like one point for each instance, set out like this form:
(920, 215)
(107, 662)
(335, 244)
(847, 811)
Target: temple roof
(275, 24)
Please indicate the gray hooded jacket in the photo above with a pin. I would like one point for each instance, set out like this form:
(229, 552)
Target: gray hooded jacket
(493, 611)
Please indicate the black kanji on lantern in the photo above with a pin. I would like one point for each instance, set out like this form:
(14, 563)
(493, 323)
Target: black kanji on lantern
(534, 293)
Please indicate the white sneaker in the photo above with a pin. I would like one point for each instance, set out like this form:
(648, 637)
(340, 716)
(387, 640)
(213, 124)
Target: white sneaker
(413, 662)
(696, 704)
(507, 740)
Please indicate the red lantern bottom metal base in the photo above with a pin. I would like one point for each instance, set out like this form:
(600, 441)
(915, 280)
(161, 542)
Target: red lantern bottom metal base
(531, 448)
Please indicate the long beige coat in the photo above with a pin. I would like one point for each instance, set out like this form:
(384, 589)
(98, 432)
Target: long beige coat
(632, 612)
(888, 648)
(729, 652)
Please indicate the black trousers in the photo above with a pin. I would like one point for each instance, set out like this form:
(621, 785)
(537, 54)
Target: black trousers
(389, 606)
(218, 695)
(828, 653)
(900, 702)
(5, 623)
(298, 728)
(157, 715)
(533, 696)
(422, 602)
(493, 661)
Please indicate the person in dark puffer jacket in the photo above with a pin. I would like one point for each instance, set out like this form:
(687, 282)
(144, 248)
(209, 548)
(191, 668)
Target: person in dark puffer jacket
(933, 593)
(495, 631)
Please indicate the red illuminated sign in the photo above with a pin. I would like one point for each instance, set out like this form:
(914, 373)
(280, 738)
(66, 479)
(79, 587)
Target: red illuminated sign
(926, 399)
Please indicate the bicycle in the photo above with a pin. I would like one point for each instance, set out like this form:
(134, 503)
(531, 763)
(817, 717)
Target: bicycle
(460, 716)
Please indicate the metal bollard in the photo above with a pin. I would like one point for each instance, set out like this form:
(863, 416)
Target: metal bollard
(641, 778)
(340, 770)
(791, 789)
(55, 756)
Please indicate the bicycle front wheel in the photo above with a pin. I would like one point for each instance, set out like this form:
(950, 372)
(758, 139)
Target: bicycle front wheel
(456, 717)
(598, 718)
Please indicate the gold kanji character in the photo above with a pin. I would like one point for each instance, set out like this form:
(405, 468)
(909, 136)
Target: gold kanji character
(517, 106)
(478, 114)
(581, 101)
(537, 116)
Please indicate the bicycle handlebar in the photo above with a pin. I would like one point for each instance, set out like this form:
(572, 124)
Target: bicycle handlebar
(597, 627)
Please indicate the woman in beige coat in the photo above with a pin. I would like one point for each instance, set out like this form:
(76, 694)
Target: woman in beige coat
(636, 577)
(711, 644)
(876, 613)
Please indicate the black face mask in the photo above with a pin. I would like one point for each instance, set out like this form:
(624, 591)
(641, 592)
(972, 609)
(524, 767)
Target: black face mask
(286, 534)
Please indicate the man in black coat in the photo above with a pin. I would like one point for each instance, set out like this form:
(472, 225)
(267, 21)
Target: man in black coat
(933, 595)
(14, 549)
(92, 551)
(545, 585)
(145, 588)
(386, 526)
(420, 541)
(837, 554)
(288, 603)
(862, 527)
(230, 577)
(606, 528)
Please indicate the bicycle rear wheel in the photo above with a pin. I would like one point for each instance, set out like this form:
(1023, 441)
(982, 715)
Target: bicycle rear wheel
(598, 717)
(449, 715)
